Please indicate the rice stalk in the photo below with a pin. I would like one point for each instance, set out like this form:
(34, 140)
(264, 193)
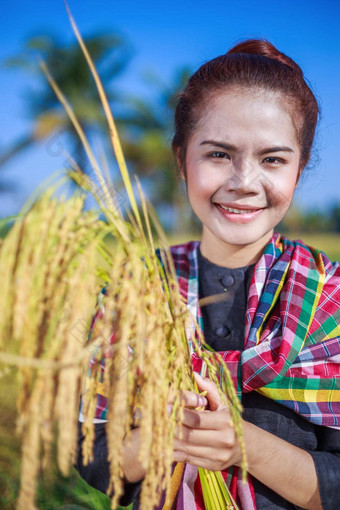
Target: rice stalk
(117, 147)
(48, 269)
(51, 277)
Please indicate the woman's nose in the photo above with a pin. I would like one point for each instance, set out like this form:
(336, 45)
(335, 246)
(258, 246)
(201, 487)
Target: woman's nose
(245, 178)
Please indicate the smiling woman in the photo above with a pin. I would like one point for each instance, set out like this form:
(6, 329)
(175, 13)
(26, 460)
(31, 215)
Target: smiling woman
(248, 186)
(244, 129)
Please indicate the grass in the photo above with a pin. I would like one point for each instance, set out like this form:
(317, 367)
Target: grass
(328, 242)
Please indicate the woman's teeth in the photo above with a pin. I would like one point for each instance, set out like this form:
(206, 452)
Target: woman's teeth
(237, 211)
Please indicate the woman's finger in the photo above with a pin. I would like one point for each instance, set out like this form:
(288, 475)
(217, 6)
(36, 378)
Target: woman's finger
(194, 400)
(212, 394)
(222, 438)
(206, 420)
(191, 399)
(206, 457)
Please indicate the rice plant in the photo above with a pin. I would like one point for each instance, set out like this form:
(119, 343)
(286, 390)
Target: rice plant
(53, 264)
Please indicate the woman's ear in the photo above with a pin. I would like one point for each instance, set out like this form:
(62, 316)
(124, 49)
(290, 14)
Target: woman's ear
(303, 165)
(298, 177)
(180, 166)
(299, 174)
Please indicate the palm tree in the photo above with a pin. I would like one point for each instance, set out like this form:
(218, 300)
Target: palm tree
(145, 126)
(110, 53)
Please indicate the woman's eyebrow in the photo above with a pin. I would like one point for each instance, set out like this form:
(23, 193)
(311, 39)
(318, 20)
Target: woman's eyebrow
(230, 147)
(223, 145)
(275, 149)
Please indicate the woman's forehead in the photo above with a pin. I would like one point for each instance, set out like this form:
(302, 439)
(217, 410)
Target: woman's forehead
(238, 114)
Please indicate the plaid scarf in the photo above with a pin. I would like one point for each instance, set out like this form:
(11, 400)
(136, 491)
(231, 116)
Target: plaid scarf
(292, 341)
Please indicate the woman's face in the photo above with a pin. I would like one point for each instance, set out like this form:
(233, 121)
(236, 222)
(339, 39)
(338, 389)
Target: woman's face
(242, 167)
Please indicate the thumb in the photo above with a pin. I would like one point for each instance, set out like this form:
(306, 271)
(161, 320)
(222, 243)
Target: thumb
(212, 394)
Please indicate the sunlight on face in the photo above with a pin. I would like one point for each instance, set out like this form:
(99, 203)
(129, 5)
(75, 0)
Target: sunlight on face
(242, 167)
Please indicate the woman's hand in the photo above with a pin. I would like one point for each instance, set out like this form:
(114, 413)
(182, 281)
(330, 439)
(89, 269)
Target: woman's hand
(207, 438)
(132, 468)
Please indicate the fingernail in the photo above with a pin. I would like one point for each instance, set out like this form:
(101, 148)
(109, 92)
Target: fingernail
(202, 402)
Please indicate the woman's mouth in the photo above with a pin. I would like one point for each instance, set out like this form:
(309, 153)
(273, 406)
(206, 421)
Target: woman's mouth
(238, 214)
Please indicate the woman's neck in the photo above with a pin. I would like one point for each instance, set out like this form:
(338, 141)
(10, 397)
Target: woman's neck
(229, 255)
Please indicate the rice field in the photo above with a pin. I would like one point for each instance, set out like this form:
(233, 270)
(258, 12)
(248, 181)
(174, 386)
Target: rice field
(329, 242)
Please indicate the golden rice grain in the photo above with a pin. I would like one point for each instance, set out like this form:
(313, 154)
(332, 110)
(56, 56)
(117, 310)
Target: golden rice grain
(50, 279)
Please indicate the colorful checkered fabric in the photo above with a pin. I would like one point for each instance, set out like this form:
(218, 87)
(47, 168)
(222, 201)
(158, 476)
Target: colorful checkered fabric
(292, 327)
(291, 347)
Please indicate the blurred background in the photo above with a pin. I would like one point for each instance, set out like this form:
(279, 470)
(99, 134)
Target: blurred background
(144, 52)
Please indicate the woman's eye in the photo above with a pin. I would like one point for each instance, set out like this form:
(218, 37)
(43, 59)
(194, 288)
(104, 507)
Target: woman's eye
(273, 161)
(218, 155)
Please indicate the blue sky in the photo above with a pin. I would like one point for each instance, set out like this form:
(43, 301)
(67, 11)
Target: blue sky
(165, 36)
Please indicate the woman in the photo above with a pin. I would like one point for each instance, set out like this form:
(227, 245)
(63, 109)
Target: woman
(244, 128)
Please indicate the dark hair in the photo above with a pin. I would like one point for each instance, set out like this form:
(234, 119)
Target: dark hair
(257, 64)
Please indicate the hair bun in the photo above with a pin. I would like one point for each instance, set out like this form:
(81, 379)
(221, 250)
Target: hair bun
(263, 48)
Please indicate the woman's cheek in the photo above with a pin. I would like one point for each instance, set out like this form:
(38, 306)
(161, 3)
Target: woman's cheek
(202, 184)
(280, 190)
(279, 197)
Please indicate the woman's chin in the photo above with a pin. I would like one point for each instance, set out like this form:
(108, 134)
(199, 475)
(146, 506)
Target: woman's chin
(246, 237)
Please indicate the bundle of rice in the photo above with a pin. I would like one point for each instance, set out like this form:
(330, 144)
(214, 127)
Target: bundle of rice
(50, 279)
